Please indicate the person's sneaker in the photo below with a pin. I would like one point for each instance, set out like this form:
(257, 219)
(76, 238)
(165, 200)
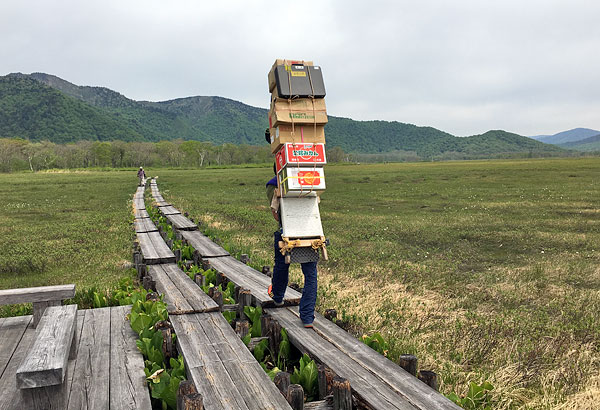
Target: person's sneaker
(271, 294)
(308, 326)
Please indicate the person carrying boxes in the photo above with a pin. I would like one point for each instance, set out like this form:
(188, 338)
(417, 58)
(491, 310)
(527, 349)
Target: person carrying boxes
(280, 278)
(297, 117)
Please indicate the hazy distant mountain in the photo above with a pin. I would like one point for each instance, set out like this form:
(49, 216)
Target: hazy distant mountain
(567, 136)
(586, 144)
(40, 106)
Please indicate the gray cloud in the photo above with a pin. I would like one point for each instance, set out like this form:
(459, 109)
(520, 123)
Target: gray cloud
(464, 67)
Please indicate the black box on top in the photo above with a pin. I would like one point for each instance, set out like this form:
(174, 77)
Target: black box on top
(299, 81)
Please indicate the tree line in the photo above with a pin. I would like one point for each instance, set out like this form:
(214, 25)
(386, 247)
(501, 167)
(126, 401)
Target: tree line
(17, 154)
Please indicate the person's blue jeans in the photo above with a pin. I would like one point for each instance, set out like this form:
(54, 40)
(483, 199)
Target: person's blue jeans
(280, 282)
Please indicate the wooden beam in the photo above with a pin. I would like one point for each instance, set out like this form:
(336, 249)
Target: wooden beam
(37, 294)
(46, 362)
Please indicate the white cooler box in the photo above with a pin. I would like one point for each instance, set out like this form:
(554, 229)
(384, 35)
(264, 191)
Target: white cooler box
(300, 217)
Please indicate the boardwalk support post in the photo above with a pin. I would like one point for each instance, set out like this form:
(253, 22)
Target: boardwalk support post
(330, 314)
(409, 363)
(342, 394)
(295, 396)
(429, 378)
(325, 378)
(282, 381)
(188, 397)
(244, 299)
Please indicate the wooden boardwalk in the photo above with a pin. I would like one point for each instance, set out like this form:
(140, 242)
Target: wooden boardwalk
(144, 225)
(154, 249)
(222, 367)
(205, 247)
(246, 277)
(224, 370)
(376, 381)
(181, 294)
(106, 371)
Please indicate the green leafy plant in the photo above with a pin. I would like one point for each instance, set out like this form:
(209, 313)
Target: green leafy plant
(254, 314)
(164, 383)
(229, 316)
(152, 347)
(261, 350)
(478, 397)
(284, 350)
(145, 314)
(307, 377)
(376, 342)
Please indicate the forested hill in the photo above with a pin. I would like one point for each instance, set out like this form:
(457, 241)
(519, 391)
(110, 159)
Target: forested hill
(44, 107)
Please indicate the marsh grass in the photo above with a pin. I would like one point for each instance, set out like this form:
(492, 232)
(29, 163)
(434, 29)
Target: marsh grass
(65, 227)
(486, 270)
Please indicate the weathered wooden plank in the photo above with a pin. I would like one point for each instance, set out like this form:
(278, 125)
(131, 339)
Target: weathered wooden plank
(10, 396)
(46, 361)
(319, 405)
(149, 253)
(413, 389)
(198, 354)
(74, 350)
(165, 254)
(176, 302)
(144, 225)
(242, 366)
(181, 222)
(90, 385)
(246, 277)
(140, 213)
(37, 294)
(216, 358)
(128, 389)
(205, 247)
(198, 300)
(371, 389)
(212, 364)
(12, 330)
(138, 203)
(168, 210)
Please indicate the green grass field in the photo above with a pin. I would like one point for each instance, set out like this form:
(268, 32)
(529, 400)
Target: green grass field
(485, 270)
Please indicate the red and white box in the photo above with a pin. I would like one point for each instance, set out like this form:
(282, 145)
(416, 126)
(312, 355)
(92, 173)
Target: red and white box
(300, 153)
(298, 181)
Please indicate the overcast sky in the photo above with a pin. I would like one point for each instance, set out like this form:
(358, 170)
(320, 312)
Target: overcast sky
(465, 67)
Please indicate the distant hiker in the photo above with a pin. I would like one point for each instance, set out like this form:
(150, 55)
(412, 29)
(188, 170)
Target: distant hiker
(142, 176)
(281, 269)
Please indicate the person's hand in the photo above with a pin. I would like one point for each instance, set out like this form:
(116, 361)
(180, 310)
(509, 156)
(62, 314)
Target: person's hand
(275, 214)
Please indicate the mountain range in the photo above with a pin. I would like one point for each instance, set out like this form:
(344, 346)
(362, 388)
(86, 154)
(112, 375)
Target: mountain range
(581, 139)
(40, 106)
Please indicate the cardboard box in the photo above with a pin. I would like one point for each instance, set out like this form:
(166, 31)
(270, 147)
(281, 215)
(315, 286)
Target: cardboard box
(281, 61)
(299, 181)
(297, 104)
(299, 81)
(301, 133)
(279, 117)
(300, 153)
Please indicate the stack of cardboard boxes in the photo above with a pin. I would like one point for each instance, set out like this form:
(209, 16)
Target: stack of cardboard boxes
(297, 119)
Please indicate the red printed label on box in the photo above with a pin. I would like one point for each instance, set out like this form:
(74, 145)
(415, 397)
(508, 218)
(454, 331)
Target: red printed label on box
(309, 178)
(300, 153)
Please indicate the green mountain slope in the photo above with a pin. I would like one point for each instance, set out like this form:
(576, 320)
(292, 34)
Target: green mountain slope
(587, 144)
(32, 110)
(61, 111)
